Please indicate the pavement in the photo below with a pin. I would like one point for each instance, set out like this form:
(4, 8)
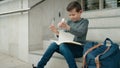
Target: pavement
(7, 61)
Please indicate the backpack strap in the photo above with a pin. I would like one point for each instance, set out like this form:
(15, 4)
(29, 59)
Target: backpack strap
(84, 56)
(98, 65)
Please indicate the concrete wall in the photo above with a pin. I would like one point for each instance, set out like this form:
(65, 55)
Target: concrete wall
(14, 29)
(35, 27)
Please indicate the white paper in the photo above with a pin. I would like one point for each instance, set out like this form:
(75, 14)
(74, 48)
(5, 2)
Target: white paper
(65, 37)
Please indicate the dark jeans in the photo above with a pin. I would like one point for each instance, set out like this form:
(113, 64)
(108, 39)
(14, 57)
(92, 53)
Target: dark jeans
(69, 51)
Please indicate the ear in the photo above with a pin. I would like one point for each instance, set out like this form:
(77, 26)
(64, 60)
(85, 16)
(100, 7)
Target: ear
(81, 11)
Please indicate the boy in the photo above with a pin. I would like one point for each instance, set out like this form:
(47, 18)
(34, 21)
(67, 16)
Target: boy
(78, 27)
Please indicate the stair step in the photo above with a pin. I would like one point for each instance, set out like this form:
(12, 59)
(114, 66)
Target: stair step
(56, 61)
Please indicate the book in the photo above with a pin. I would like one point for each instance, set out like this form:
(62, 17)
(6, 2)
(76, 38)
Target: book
(65, 37)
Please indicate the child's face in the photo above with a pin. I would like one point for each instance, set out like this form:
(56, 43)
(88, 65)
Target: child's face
(74, 15)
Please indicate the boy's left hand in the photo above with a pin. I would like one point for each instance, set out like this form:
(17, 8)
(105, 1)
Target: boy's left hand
(63, 25)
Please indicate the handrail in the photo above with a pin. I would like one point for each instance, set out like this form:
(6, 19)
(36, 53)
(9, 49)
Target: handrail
(14, 12)
(22, 10)
(36, 4)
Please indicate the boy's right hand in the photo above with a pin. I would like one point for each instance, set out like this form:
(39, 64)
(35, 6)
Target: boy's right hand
(54, 29)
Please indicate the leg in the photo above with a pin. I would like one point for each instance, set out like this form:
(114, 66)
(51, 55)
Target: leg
(76, 50)
(66, 52)
(47, 55)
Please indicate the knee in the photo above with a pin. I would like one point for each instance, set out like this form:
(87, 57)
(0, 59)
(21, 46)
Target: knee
(62, 47)
(53, 45)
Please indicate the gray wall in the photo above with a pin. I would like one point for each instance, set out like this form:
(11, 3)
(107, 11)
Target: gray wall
(14, 29)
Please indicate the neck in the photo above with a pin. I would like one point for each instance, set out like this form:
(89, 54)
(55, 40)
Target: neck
(79, 19)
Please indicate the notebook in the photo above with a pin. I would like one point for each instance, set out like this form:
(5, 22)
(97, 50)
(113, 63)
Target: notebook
(66, 37)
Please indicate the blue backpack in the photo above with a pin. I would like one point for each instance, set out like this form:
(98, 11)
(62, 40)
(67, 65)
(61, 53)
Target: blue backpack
(104, 55)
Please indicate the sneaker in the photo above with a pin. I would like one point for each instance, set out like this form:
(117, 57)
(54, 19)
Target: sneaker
(33, 66)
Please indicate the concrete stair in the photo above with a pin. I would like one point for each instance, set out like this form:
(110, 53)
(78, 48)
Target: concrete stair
(57, 60)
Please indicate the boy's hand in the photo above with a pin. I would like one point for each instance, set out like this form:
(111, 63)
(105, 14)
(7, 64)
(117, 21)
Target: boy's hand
(63, 25)
(54, 29)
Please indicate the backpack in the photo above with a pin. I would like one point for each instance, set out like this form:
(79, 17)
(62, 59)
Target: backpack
(106, 55)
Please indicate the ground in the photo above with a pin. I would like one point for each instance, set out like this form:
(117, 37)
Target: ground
(7, 61)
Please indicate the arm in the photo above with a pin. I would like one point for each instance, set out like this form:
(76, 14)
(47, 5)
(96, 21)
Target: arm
(80, 31)
(54, 30)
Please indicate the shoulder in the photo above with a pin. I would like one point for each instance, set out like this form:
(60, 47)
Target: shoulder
(85, 20)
